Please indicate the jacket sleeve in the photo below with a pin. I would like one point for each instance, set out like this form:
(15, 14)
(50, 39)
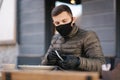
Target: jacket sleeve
(93, 51)
(44, 60)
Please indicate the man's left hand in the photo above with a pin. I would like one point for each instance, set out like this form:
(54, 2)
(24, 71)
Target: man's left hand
(70, 62)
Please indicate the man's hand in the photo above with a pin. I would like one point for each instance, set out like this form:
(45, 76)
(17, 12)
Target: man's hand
(70, 62)
(52, 58)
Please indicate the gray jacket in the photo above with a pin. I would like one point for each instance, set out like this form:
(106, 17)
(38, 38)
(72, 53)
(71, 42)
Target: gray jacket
(83, 44)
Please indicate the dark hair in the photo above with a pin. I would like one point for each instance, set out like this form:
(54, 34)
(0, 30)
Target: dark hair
(59, 9)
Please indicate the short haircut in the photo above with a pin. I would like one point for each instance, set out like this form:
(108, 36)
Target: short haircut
(59, 9)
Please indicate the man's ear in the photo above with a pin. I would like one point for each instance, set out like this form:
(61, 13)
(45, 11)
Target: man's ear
(74, 19)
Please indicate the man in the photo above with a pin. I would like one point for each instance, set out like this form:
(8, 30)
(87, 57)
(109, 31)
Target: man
(73, 48)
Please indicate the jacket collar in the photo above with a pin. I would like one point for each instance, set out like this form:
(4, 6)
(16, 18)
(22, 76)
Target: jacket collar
(73, 32)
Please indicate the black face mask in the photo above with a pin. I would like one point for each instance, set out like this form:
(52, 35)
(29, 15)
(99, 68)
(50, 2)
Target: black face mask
(65, 29)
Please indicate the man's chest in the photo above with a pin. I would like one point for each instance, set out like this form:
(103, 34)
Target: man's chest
(71, 46)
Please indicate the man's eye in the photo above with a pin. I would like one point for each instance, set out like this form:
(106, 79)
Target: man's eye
(64, 21)
(57, 23)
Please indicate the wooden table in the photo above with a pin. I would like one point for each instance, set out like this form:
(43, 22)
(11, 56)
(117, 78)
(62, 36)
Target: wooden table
(48, 75)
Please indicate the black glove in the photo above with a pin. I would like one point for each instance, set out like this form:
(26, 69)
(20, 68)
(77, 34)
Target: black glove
(52, 58)
(70, 62)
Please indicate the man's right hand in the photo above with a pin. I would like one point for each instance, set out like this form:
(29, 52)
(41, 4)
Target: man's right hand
(52, 58)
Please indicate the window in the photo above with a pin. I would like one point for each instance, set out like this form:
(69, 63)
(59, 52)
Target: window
(8, 22)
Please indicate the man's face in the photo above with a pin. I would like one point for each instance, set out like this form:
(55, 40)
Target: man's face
(62, 18)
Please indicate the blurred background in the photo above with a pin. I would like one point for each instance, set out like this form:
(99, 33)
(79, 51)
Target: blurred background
(26, 27)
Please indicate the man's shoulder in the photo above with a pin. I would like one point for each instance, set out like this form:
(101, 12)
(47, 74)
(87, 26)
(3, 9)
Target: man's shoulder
(84, 32)
(55, 36)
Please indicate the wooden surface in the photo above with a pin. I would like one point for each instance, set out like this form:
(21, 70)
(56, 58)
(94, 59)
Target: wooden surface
(0, 76)
(48, 75)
